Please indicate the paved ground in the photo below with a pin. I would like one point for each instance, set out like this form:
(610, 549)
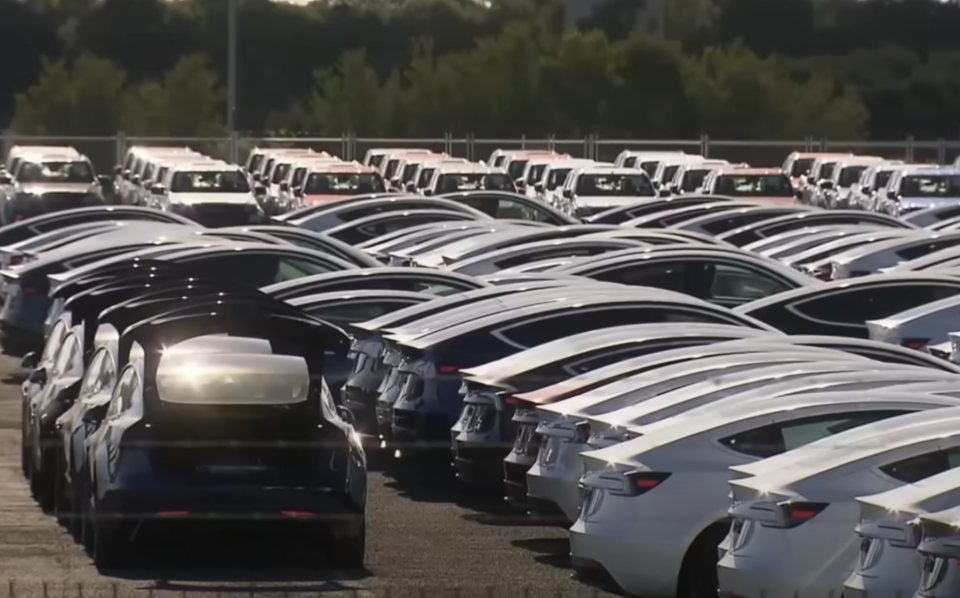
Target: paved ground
(423, 543)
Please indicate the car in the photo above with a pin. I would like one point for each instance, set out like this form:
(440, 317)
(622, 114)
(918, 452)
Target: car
(504, 205)
(931, 216)
(937, 547)
(339, 213)
(407, 237)
(476, 245)
(643, 481)
(718, 223)
(289, 217)
(371, 227)
(765, 185)
(816, 260)
(790, 243)
(644, 207)
(312, 240)
(761, 230)
(361, 389)
(943, 258)
(843, 307)
(712, 273)
(213, 194)
(347, 307)
(920, 326)
(888, 565)
(406, 256)
(14, 254)
(655, 236)
(518, 255)
(874, 257)
(807, 498)
(482, 433)
(298, 426)
(429, 404)
(433, 282)
(667, 218)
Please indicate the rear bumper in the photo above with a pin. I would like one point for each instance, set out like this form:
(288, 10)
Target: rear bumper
(419, 431)
(363, 405)
(479, 464)
(230, 503)
(515, 481)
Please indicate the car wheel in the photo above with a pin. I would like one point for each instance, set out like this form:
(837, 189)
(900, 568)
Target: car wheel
(349, 551)
(698, 574)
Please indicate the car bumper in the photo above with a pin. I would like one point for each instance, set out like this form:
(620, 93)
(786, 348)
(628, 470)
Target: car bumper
(415, 431)
(479, 464)
(232, 503)
(551, 493)
(515, 467)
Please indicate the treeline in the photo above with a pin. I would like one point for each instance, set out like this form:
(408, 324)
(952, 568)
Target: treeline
(749, 69)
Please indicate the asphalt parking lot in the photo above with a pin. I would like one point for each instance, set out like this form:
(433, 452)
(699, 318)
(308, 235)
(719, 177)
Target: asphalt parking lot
(424, 543)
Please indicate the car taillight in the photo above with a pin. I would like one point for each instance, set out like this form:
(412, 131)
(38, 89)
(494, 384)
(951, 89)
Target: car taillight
(581, 432)
(448, 369)
(639, 482)
(16, 260)
(797, 513)
(916, 344)
(28, 290)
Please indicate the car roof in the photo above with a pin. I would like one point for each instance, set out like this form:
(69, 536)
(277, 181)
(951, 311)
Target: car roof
(359, 274)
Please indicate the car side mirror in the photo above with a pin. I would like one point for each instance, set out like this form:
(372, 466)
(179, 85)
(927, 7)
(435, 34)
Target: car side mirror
(284, 187)
(520, 183)
(104, 180)
(865, 189)
(298, 193)
(118, 170)
(568, 193)
(6, 179)
(665, 193)
(798, 194)
(410, 187)
(346, 415)
(538, 187)
(135, 179)
(256, 177)
(38, 376)
(158, 189)
(428, 192)
(826, 185)
(30, 360)
(259, 189)
(891, 194)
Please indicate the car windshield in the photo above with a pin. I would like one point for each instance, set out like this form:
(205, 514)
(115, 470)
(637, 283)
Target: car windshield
(754, 185)
(515, 170)
(557, 177)
(669, 172)
(536, 171)
(408, 171)
(280, 172)
(801, 166)
(343, 183)
(425, 175)
(850, 175)
(452, 182)
(72, 171)
(882, 178)
(693, 179)
(931, 186)
(602, 185)
(210, 181)
(826, 170)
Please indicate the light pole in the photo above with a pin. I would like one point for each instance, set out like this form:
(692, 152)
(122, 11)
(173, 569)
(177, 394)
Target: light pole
(232, 64)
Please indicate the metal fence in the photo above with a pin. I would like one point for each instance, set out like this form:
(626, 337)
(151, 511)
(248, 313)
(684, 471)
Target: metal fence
(108, 151)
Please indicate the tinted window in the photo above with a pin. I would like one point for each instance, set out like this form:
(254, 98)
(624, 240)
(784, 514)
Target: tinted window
(550, 253)
(68, 358)
(720, 226)
(778, 438)
(91, 380)
(122, 397)
(566, 324)
(872, 303)
(920, 250)
(915, 469)
(53, 342)
(357, 312)
(257, 270)
(742, 284)
(292, 268)
(891, 357)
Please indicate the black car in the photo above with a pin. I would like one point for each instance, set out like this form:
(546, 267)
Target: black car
(235, 435)
(721, 222)
(305, 211)
(338, 213)
(422, 280)
(767, 228)
(370, 227)
(346, 308)
(842, 307)
(312, 240)
(667, 218)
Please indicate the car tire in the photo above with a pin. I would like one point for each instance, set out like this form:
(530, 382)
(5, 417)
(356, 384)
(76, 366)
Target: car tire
(349, 551)
(698, 574)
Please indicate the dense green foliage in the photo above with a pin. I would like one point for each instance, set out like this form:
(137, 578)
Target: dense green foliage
(750, 69)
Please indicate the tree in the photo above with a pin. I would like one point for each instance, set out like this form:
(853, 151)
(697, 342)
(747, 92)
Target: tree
(84, 98)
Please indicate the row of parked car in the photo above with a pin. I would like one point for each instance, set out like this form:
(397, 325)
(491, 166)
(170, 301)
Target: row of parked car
(715, 392)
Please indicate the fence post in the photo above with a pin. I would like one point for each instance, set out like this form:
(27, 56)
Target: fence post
(705, 145)
(120, 149)
(6, 142)
(823, 144)
(448, 143)
(942, 151)
(910, 149)
(234, 147)
(470, 149)
(523, 141)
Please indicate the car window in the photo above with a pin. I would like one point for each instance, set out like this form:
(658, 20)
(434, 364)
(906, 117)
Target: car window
(917, 468)
(871, 303)
(517, 210)
(291, 268)
(355, 312)
(68, 358)
(894, 357)
(774, 439)
(743, 284)
(549, 253)
(916, 251)
(546, 329)
(52, 347)
(122, 397)
(92, 379)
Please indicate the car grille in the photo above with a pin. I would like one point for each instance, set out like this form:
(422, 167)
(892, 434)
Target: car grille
(214, 214)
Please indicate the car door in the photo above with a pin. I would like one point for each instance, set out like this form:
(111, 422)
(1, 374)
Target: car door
(124, 409)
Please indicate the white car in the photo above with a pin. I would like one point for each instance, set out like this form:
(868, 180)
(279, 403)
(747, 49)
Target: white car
(874, 257)
(814, 238)
(889, 565)
(799, 510)
(655, 507)
(940, 546)
(916, 328)
(553, 469)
